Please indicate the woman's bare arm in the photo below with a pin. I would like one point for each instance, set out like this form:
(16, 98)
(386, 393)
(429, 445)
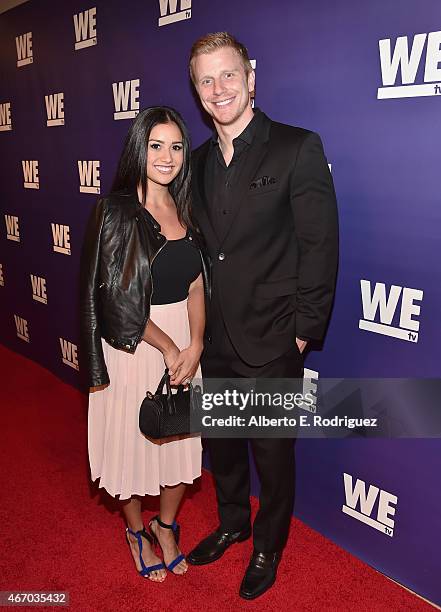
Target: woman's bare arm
(154, 336)
(188, 361)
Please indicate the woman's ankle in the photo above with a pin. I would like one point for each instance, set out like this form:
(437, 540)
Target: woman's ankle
(135, 528)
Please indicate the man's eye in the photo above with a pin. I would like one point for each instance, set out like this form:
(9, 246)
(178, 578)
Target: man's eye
(229, 75)
(206, 81)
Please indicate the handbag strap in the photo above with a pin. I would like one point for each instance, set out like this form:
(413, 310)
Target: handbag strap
(165, 380)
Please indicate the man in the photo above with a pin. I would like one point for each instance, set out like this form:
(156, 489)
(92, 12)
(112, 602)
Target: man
(264, 200)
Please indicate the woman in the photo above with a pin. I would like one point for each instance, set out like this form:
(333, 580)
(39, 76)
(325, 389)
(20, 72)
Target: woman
(143, 309)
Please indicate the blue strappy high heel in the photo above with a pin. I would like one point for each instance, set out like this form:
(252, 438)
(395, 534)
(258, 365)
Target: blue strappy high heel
(176, 532)
(142, 533)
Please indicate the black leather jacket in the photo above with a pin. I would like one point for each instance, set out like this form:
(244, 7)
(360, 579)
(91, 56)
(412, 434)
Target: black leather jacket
(122, 240)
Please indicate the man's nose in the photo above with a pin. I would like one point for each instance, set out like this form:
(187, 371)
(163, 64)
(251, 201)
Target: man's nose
(217, 87)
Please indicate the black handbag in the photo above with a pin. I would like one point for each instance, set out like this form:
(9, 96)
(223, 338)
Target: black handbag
(167, 414)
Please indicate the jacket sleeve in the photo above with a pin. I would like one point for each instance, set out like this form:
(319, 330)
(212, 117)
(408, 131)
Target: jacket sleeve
(314, 208)
(90, 325)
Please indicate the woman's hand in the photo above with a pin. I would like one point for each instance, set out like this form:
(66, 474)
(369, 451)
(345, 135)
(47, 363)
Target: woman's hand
(186, 365)
(170, 355)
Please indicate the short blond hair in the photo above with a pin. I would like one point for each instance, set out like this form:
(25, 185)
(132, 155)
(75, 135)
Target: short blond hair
(219, 40)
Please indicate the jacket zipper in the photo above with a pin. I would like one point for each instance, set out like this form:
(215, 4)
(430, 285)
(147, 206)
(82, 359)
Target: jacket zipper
(118, 266)
(151, 292)
(150, 270)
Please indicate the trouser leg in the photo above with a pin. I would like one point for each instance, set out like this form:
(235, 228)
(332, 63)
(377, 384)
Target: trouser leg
(230, 467)
(274, 459)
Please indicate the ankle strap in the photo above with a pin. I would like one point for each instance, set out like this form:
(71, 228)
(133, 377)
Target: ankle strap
(164, 525)
(135, 533)
(142, 532)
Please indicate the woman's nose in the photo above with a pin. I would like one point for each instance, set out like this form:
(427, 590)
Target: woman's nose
(166, 155)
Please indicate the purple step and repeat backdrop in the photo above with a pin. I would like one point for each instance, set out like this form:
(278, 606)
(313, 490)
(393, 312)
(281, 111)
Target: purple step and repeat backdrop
(367, 77)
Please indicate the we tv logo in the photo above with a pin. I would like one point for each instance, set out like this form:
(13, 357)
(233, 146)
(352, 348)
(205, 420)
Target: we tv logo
(126, 99)
(89, 172)
(360, 505)
(407, 56)
(30, 174)
(69, 353)
(12, 228)
(385, 306)
(253, 63)
(61, 238)
(310, 382)
(54, 109)
(170, 13)
(39, 293)
(21, 326)
(5, 117)
(85, 29)
(23, 45)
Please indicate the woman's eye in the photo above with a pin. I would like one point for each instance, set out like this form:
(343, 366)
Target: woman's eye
(177, 147)
(155, 145)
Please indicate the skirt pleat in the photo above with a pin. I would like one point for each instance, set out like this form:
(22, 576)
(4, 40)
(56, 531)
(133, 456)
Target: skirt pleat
(121, 457)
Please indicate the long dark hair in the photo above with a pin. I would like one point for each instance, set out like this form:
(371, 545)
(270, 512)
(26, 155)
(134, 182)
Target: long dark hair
(131, 170)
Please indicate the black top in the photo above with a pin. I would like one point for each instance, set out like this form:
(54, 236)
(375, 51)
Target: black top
(174, 268)
(220, 179)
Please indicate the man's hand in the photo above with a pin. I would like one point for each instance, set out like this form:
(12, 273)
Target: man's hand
(301, 344)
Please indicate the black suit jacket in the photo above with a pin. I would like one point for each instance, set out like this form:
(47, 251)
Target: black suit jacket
(274, 272)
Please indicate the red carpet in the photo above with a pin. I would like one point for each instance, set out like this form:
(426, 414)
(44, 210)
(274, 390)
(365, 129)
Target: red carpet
(57, 533)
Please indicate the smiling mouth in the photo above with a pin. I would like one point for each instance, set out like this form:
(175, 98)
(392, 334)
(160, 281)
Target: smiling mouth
(223, 102)
(164, 169)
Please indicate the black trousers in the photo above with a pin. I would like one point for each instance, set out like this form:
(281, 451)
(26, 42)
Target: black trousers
(274, 458)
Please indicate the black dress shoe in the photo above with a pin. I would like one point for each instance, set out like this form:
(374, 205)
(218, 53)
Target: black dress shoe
(214, 546)
(260, 575)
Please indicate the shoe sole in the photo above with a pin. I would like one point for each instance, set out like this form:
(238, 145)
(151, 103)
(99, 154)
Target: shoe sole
(217, 557)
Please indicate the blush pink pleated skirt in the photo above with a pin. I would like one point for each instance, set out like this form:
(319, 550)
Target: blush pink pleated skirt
(125, 462)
